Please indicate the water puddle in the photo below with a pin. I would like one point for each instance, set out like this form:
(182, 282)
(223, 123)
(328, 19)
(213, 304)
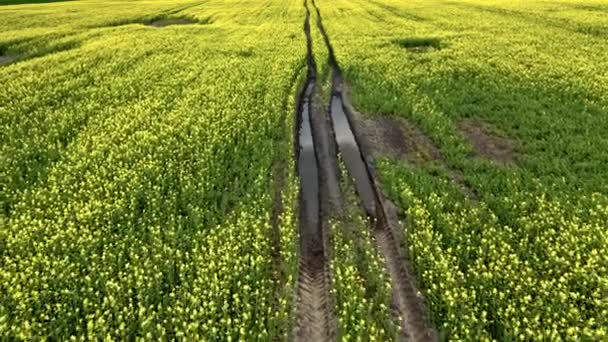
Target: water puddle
(349, 149)
(307, 164)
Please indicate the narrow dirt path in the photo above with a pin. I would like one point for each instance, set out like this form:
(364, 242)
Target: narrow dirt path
(408, 303)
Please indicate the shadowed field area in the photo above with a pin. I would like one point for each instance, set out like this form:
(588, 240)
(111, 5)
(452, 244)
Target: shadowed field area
(25, 2)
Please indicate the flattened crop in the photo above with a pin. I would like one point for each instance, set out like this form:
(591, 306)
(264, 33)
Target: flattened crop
(7, 59)
(419, 44)
(398, 138)
(162, 22)
(487, 142)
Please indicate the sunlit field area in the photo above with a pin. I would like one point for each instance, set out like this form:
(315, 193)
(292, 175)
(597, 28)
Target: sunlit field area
(369, 170)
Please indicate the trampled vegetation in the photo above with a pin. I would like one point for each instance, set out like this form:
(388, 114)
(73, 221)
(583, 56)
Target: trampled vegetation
(150, 185)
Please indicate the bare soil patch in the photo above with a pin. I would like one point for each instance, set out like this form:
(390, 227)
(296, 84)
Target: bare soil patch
(171, 21)
(487, 141)
(7, 59)
(398, 138)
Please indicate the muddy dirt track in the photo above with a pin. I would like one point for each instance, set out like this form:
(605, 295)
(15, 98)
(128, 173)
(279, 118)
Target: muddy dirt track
(315, 319)
(321, 134)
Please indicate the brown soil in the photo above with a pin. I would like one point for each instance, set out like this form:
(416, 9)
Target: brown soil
(316, 319)
(408, 303)
(400, 139)
(315, 316)
(397, 138)
(314, 305)
(171, 21)
(487, 142)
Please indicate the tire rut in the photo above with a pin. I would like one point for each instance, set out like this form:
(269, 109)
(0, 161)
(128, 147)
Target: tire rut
(408, 303)
(315, 319)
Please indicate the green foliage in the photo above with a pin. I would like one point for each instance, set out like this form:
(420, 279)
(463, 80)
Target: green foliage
(524, 261)
(137, 167)
(136, 176)
(528, 265)
(361, 285)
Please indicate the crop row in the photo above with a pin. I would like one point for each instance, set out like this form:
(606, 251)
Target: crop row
(523, 260)
(137, 185)
(539, 276)
(361, 284)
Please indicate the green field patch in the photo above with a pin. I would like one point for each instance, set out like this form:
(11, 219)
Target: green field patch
(398, 12)
(11, 52)
(246, 53)
(590, 8)
(547, 21)
(419, 44)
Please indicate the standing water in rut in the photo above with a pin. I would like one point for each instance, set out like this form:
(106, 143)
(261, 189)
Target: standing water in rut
(408, 303)
(352, 155)
(307, 165)
(313, 312)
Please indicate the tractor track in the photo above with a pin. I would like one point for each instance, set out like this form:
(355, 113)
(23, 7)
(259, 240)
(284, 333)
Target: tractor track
(319, 135)
(315, 317)
(408, 303)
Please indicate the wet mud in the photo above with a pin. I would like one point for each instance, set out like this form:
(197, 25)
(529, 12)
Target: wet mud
(408, 303)
(349, 149)
(314, 312)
